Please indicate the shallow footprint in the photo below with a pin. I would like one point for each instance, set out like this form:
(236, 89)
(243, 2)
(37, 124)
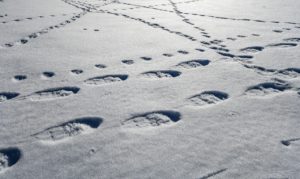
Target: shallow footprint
(152, 119)
(265, 89)
(5, 96)
(162, 74)
(194, 63)
(253, 49)
(292, 40)
(69, 129)
(100, 80)
(283, 45)
(9, 157)
(208, 98)
(53, 93)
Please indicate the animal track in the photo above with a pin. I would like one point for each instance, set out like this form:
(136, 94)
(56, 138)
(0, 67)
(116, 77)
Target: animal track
(193, 63)
(128, 62)
(20, 77)
(69, 129)
(53, 93)
(265, 89)
(100, 66)
(48, 74)
(5, 96)
(152, 119)
(167, 55)
(100, 80)
(208, 97)
(283, 45)
(253, 49)
(146, 58)
(183, 52)
(9, 157)
(162, 74)
(77, 71)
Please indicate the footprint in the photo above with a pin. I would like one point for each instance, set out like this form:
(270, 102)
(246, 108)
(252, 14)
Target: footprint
(128, 62)
(183, 52)
(69, 129)
(292, 40)
(146, 58)
(253, 49)
(291, 72)
(152, 119)
(20, 77)
(168, 55)
(9, 157)
(100, 66)
(5, 96)
(208, 98)
(278, 31)
(76, 71)
(282, 45)
(200, 49)
(48, 74)
(100, 80)
(265, 89)
(53, 93)
(193, 63)
(162, 74)
(243, 57)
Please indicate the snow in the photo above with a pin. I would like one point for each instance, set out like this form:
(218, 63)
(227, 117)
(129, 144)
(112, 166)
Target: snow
(149, 89)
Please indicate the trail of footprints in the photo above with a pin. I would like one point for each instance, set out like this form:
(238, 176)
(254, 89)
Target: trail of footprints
(148, 120)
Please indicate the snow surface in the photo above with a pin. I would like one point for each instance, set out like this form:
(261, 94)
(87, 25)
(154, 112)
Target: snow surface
(150, 89)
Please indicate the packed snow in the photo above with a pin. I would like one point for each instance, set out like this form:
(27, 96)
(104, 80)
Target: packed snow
(150, 89)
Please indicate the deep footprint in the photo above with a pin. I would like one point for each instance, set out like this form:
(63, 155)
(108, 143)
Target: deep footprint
(48, 74)
(152, 119)
(9, 157)
(5, 96)
(54, 93)
(265, 89)
(208, 98)
(162, 74)
(100, 80)
(20, 77)
(194, 63)
(69, 129)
